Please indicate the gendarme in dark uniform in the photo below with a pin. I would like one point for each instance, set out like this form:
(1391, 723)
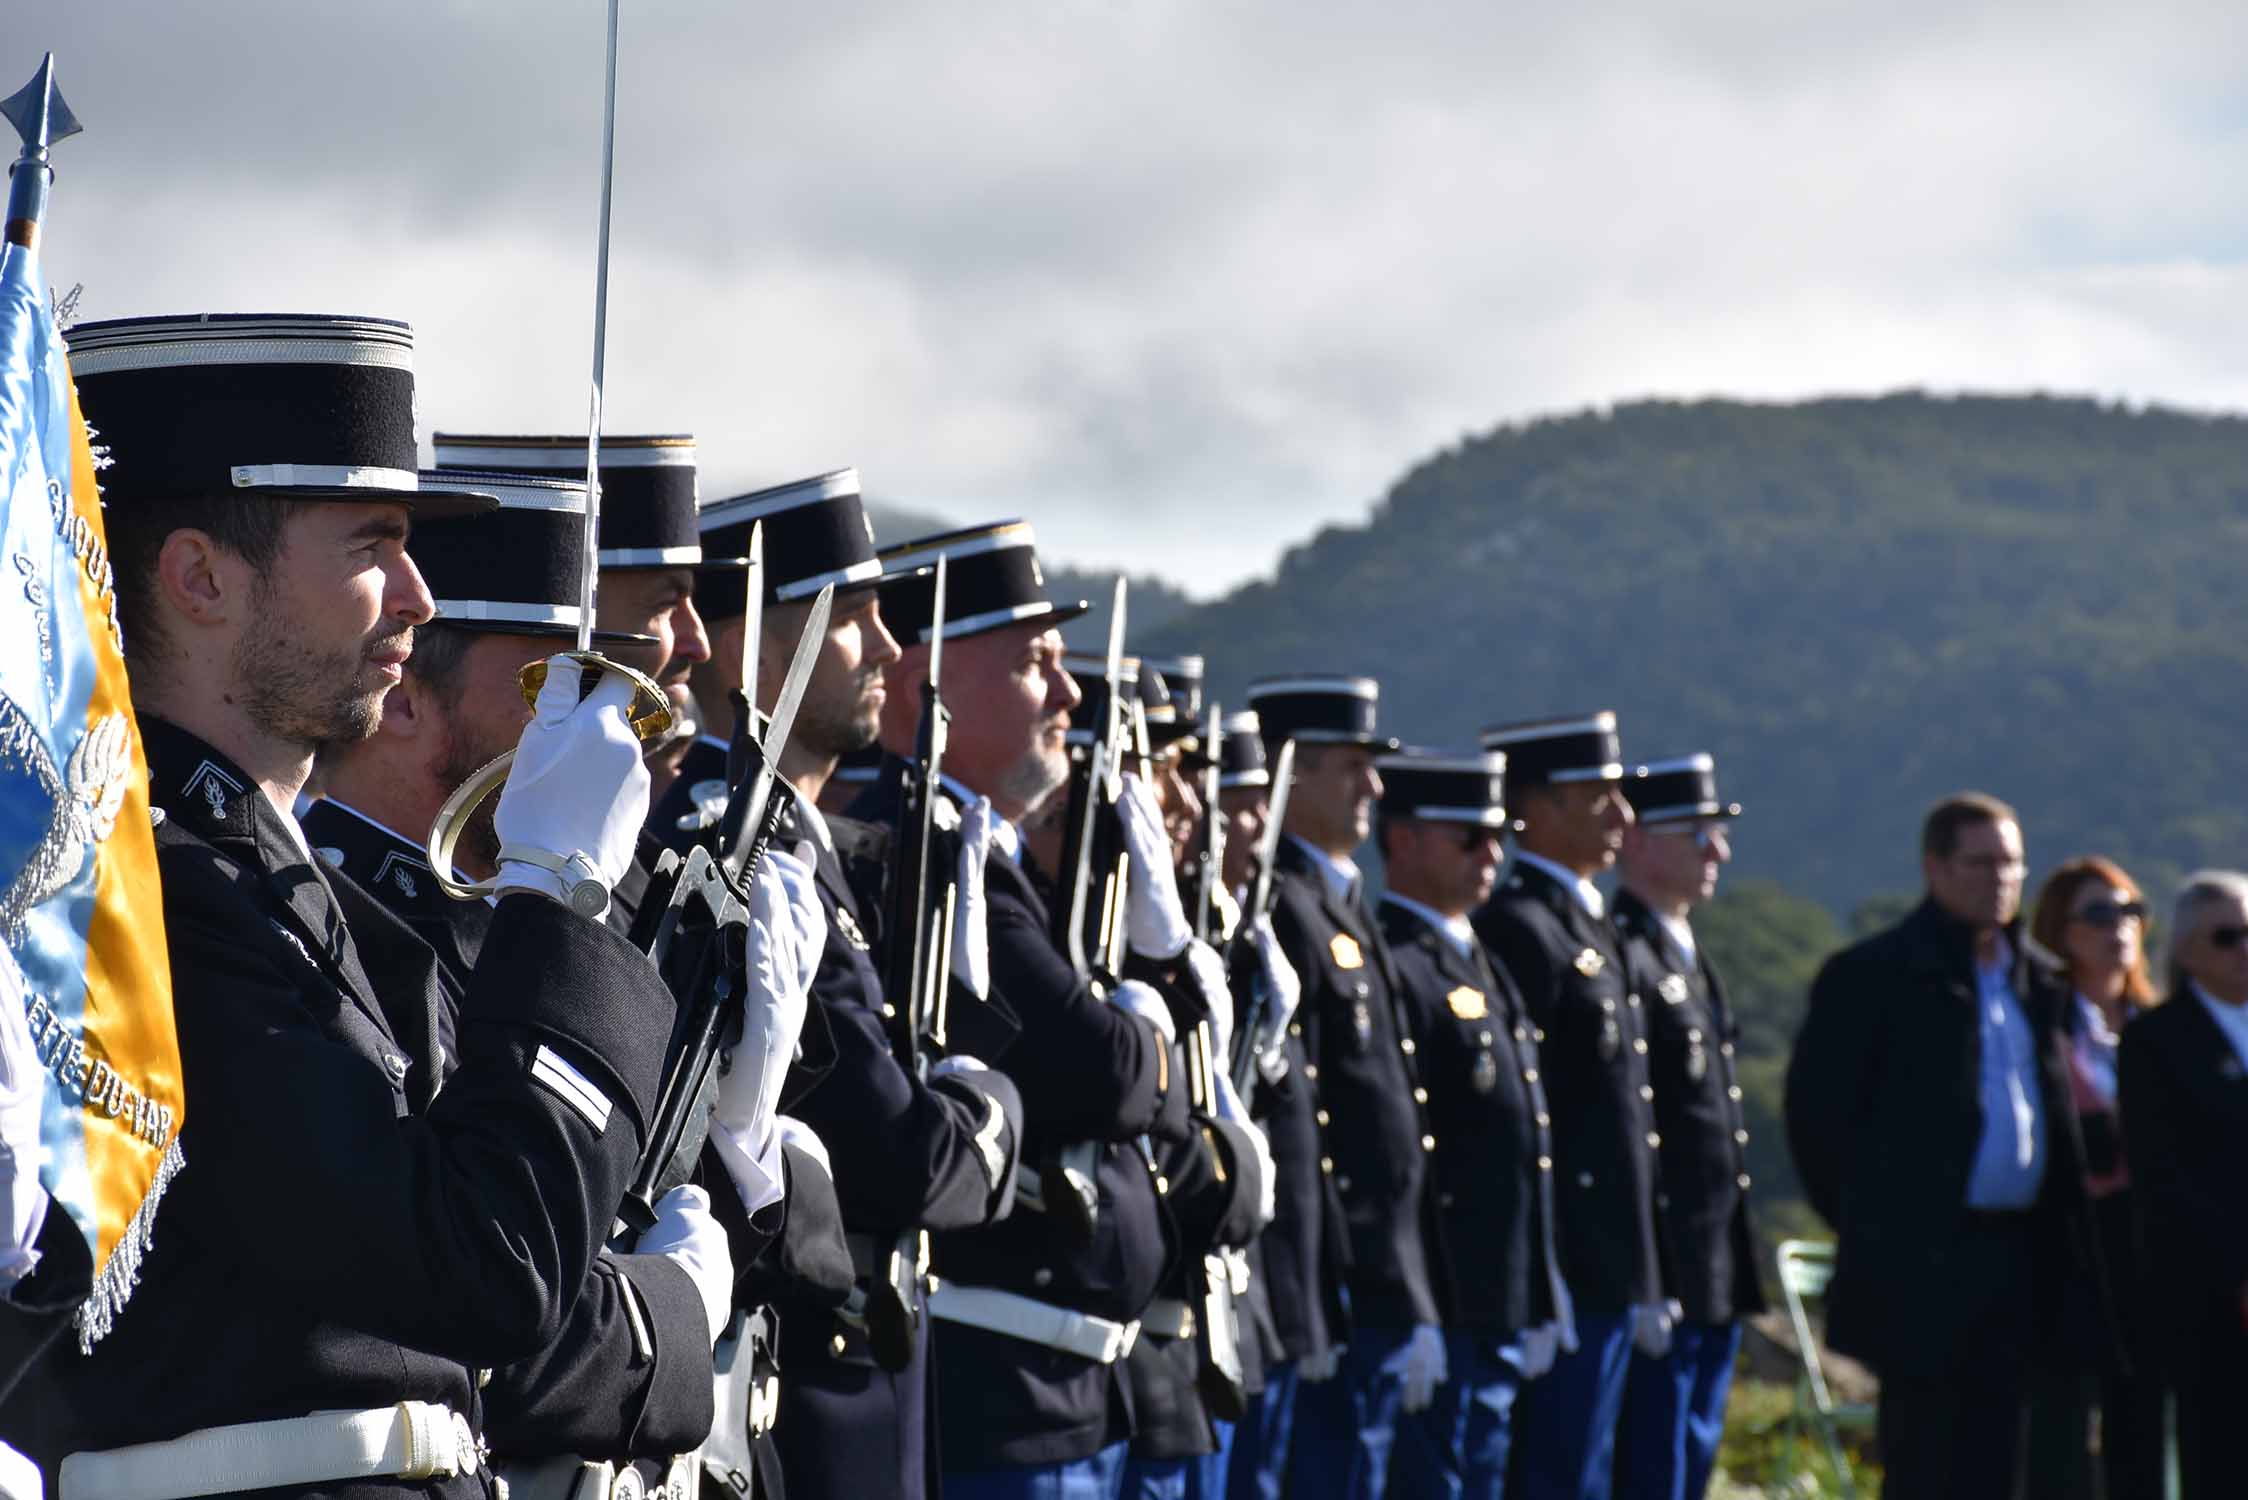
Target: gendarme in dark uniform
(909, 1153)
(1547, 926)
(306, 1014)
(1674, 1407)
(1032, 1324)
(630, 1377)
(1355, 1085)
(1442, 820)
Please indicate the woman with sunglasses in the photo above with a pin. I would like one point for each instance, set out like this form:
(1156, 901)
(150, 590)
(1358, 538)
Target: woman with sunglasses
(2185, 1093)
(2091, 915)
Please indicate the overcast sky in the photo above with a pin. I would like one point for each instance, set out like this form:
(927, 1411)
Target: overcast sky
(1180, 280)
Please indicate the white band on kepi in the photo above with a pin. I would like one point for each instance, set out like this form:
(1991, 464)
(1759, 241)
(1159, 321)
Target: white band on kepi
(651, 557)
(1613, 771)
(167, 353)
(842, 578)
(323, 476)
(508, 613)
(991, 617)
(542, 457)
(782, 498)
(1286, 687)
(1489, 817)
(1228, 780)
(1015, 534)
(1683, 812)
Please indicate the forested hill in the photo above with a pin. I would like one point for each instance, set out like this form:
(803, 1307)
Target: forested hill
(1858, 605)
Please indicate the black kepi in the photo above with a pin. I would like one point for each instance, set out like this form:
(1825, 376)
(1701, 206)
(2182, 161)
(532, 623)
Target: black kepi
(816, 533)
(1682, 789)
(282, 406)
(647, 487)
(1436, 787)
(993, 581)
(1241, 751)
(1315, 709)
(517, 570)
(1554, 751)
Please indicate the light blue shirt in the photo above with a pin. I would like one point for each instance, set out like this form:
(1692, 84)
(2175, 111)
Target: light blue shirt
(1458, 931)
(1588, 895)
(2232, 1020)
(2009, 1165)
(1340, 874)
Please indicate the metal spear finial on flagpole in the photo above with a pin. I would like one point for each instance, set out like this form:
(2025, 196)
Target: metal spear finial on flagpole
(42, 118)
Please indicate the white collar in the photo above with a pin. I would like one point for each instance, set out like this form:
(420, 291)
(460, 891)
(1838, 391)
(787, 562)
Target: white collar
(1004, 833)
(1459, 931)
(1339, 872)
(814, 819)
(1681, 932)
(1588, 894)
(374, 823)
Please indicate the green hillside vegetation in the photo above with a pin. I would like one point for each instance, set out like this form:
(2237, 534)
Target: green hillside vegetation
(1857, 605)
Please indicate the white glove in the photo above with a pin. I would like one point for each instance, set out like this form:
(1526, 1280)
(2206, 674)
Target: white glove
(688, 1233)
(1144, 1001)
(23, 1091)
(1650, 1329)
(971, 935)
(1425, 1367)
(787, 930)
(1154, 918)
(795, 1132)
(1209, 974)
(1318, 1369)
(958, 1062)
(19, 1476)
(1287, 989)
(578, 789)
(1230, 1110)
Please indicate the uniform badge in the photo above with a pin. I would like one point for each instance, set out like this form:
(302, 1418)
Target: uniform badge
(1672, 987)
(214, 786)
(1589, 963)
(1611, 1039)
(1485, 1074)
(848, 925)
(1467, 1003)
(1697, 1064)
(1343, 948)
(396, 869)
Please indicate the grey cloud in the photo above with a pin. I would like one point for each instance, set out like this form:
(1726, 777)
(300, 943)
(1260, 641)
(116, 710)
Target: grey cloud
(1179, 281)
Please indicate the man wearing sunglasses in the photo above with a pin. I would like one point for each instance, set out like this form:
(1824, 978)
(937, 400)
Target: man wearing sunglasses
(1674, 1407)
(1929, 1116)
(1440, 824)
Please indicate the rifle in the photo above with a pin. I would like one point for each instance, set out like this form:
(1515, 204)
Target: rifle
(1091, 934)
(695, 924)
(1210, 860)
(915, 981)
(1217, 1326)
(1245, 1043)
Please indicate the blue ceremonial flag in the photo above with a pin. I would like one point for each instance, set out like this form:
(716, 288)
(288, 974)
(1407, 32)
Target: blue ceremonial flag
(81, 915)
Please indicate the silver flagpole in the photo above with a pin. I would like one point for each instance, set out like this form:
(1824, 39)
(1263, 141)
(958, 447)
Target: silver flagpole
(589, 587)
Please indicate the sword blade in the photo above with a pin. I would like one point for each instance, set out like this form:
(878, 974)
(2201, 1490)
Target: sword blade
(589, 587)
(753, 615)
(936, 623)
(1276, 811)
(783, 720)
